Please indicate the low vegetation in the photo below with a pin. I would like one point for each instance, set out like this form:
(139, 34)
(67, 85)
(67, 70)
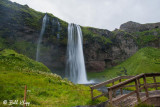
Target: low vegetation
(94, 37)
(143, 38)
(12, 61)
(43, 87)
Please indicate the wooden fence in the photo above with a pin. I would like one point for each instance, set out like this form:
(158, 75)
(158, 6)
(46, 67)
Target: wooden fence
(138, 86)
(119, 79)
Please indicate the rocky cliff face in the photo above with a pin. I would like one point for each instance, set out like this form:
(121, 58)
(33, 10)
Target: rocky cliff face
(137, 27)
(99, 57)
(124, 43)
(20, 27)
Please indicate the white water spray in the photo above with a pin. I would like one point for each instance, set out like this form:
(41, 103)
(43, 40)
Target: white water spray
(75, 67)
(40, 36)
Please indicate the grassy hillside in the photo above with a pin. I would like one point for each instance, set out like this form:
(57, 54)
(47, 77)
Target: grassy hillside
(12, 61)
(146, 60)
(43, 88)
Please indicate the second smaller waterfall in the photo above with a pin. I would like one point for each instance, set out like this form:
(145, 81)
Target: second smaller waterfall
(40, 36)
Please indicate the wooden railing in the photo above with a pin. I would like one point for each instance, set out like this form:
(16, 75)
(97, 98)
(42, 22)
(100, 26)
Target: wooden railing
(119, 79)
(138, 87)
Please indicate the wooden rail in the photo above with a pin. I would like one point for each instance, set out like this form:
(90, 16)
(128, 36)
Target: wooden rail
(119, 78)
(138, 86)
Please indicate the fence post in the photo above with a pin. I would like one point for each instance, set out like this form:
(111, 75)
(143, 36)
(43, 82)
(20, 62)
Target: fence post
(25, 95)
(137, 90)
(139, 85)
(114, 92)
(155, 82)
(110, 96)
(121, 88)
(145, 86)
(91, 93)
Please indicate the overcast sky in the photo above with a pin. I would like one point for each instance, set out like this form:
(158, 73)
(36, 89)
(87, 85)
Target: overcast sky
(106, 14)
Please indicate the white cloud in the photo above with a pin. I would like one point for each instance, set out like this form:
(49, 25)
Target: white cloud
(106, 14)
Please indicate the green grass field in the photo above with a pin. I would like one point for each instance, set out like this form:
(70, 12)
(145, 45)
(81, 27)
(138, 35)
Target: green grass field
(43, 87)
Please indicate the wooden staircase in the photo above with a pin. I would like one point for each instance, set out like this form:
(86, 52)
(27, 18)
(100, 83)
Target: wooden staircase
(141, 83)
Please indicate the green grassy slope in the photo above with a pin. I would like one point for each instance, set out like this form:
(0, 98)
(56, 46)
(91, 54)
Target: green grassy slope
(12, 61)
(43, 88)
(146, 60)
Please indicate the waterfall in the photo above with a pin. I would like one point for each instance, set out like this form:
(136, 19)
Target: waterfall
(40, 36)
(75, 67)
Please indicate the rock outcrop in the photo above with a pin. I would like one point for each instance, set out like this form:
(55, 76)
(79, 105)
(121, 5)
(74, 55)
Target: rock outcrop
(137, 27)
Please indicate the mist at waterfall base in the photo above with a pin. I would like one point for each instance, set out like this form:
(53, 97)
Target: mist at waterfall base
(41, 36)
(75, 66)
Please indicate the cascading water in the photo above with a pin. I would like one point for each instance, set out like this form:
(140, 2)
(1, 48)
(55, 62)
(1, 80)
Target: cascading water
(75, 67)
(40, 36)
